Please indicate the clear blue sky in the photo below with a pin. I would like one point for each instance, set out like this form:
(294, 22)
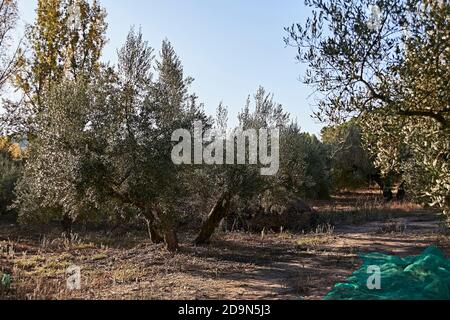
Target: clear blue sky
(230, 47)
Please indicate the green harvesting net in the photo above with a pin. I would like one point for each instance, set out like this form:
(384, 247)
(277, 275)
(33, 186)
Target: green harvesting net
(423, 277)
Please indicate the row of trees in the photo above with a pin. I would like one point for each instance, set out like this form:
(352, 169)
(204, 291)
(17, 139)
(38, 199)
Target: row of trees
(99, 136)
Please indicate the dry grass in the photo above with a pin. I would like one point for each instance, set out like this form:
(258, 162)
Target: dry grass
(392, 227)
(364, 206)
(235, 266)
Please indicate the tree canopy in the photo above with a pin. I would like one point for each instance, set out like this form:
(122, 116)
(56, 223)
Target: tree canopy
(389, 67)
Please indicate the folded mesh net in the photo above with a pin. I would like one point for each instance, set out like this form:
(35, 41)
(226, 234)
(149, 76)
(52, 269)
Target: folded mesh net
(423, 277)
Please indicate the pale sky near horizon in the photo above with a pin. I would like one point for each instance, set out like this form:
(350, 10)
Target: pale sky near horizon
(230, 47)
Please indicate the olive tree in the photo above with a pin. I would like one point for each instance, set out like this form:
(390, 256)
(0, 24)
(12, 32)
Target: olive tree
(106, 144)
(386, 62)
(351, 163)
(240, 182)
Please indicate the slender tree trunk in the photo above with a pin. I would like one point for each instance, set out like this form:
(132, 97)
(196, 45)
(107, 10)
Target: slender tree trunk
(168, 229)
(378, 180)
(401, 192)
(218, 212)
(149, 219)
(66, 224)
(385, 186)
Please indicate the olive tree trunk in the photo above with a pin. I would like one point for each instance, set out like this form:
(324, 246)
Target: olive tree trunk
(66, 224)
(171, 240)
(155, 217)
(212, 222)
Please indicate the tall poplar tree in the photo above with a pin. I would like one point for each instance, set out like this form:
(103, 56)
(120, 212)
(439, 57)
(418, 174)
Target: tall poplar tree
(65, 42)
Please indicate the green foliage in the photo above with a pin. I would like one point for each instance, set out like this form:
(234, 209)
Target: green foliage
(418, 150)
(303, 158)
(351, 165)
(104, 147)
(393, 75)
(241, 182)
(304, 164)
(51, 180)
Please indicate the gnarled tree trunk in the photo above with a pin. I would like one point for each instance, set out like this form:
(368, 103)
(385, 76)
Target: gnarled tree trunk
(401, 192)
(378, 180)
(170, 237)
(154, 235)
(385, 186)
(218, 212)
(155, 216)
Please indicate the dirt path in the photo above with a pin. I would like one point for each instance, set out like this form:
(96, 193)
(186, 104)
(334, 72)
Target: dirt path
(235, 266)
(310, 270)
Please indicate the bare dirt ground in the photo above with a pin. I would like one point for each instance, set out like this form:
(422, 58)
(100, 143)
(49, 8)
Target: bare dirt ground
(234, 266)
